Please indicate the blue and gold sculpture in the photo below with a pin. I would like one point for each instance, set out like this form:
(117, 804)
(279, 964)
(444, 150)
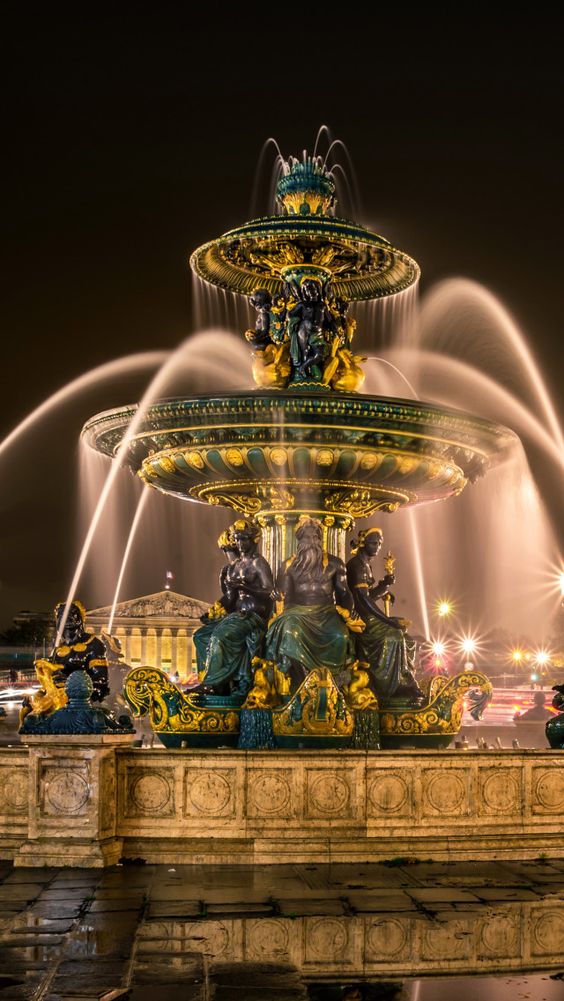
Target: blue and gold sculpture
(74, 684)
(299, 460)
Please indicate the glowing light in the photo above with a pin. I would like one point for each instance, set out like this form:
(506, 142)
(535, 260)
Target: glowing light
(561, 582)
(542, 657)
(516, 656)
(468, 645)
(444, 608)
(438, 648)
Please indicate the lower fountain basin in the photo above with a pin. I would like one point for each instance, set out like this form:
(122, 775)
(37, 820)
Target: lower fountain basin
(339, 454)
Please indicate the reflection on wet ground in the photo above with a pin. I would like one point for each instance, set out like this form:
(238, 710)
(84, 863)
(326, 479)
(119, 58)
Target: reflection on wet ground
(354, 932)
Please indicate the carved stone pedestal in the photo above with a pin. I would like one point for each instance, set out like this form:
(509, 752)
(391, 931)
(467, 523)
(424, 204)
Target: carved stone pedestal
(92, 800)
(72, 801)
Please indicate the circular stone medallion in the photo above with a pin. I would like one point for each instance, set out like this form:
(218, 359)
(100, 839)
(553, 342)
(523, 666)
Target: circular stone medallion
(329, 794)
(150, 793)
(67, 791)
(269, 793)
(209, 793)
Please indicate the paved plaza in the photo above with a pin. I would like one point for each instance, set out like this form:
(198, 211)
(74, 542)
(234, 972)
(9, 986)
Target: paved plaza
(209, 933)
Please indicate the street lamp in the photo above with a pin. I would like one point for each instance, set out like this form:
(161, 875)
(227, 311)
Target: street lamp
(468, 645)
(444, 608)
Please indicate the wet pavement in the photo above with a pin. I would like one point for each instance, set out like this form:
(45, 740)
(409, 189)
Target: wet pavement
(278, 933)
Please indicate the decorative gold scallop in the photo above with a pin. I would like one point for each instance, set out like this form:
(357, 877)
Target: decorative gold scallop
(370, 460)
(167, 464)
(234, 457)
(279, 456)
(325, 457)
(194, 459)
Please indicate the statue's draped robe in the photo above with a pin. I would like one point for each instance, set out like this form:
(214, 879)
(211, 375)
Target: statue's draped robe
(388, 650)
(225, 649)
(390, 653)
(310, 635)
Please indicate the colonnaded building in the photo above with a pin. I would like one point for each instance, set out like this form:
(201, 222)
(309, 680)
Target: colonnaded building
(155, 630)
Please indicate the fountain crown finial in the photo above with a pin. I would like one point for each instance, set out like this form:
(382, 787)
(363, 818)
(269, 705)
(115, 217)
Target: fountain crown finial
(306, 186)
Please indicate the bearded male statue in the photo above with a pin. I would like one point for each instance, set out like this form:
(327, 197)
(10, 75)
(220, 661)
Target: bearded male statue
(313, 630)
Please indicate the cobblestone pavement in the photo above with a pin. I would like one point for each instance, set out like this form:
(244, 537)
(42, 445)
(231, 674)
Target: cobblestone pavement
(278, 933)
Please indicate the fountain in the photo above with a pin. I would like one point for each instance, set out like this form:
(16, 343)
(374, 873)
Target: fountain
(304, 448)
(310, 736)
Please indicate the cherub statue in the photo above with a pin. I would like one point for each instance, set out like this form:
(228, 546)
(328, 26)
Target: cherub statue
(268, 339)
(308, 320)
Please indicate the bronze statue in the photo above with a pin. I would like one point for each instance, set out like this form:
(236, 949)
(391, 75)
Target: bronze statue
(318, 610)
(77, 650)
(384, 645)
(308, 320)
(269, 340)
(555, 726)
(260, 337)
(227, 644)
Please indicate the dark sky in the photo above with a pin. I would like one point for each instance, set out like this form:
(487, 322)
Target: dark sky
(130, 139)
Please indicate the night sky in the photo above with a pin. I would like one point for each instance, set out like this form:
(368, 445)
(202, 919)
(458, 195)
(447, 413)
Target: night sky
(129, 140)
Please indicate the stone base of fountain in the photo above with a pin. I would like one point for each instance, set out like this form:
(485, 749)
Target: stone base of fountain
(80, 802)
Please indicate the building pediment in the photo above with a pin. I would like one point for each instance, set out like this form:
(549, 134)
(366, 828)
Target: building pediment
(162, 605)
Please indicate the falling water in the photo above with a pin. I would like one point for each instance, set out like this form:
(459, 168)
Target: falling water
(459, 314)
(110, 370)
(458, 384)
(103, 565)
(469, 547)
(212, 305)
(212, 353)
(130, 540)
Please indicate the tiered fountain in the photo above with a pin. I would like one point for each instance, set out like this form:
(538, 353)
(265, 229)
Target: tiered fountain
(303, 448)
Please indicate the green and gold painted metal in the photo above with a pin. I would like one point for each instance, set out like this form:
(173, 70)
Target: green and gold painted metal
(277, 455)
(201, 721)
(318, 715)
(360, 264)
(437, 723)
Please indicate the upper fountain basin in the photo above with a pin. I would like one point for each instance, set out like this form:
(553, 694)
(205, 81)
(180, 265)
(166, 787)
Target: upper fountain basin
(361, 264)
(336, 453)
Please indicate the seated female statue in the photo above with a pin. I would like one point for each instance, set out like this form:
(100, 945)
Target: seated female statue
(384, 645)
(226, 645)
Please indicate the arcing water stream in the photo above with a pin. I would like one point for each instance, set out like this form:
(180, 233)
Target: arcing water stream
(458, 347)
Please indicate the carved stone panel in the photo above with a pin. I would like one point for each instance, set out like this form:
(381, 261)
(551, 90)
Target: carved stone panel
(150, 792)
(65, 789)
(13, 791)
(271, 793)
(209, 793)
(390, 793)
(445, 792)
(547, 790)
(500, 792)
(327, 941)
(547, 930)
(388, 939)
(446, 941)
(329, 794)
(268, 939)
(499, 935)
